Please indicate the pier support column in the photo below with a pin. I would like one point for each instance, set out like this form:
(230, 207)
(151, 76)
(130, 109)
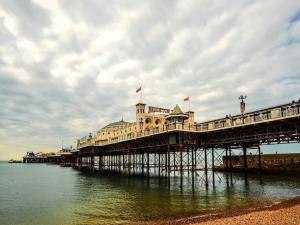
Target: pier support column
(129, 163)
(230, 163)
(174, 162)
(143, 164)
(110, 163)
(245, 159)
(169, 159)
(195, 159)
(205, 166)
(79, 161)
(193, 166)
(213, 165)
(148, 165)
(159, 161)
(259, 159)
(155, 164)
(119, 163)
(123, 161)
(181, 160)
(226, 159)
(100, 163)
(230, 159)
(188, 160)
(133, 163)
(92, 161)
(166, 163)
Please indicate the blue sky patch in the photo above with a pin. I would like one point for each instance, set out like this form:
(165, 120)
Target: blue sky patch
(295, 17)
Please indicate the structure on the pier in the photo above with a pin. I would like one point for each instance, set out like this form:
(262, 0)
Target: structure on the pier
(155, 120)
(63, 157)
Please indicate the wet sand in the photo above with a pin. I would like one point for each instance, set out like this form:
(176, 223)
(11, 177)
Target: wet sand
(284, 212)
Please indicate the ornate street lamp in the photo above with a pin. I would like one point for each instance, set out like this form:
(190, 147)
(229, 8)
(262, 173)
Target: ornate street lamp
(242, 105)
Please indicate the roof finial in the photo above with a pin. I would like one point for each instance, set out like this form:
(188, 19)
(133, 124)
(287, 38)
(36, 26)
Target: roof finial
(122, 119)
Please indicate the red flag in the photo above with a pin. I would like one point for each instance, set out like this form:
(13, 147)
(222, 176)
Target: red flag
(139, 89)
(186, 98)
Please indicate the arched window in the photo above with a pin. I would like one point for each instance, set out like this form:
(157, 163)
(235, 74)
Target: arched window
(157, 122)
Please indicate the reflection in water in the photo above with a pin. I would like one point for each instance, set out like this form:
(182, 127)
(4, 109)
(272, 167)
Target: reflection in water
(141, 199)
(56, 195)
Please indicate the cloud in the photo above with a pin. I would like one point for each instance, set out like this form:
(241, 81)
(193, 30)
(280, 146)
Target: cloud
(29, 18)
(68, 68)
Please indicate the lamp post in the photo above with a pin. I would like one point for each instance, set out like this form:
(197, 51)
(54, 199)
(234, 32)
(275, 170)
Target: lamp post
(242, 105)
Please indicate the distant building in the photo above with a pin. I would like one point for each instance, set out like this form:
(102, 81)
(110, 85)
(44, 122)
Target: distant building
(267, 160)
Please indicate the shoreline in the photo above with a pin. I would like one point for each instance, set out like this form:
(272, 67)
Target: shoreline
(214, 216)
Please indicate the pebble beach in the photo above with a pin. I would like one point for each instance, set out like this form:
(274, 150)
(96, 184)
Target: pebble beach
(286, 212)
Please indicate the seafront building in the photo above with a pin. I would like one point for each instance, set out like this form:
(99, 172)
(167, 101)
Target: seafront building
(154, 120)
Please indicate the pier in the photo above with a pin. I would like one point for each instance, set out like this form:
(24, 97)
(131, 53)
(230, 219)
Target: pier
(181, 147)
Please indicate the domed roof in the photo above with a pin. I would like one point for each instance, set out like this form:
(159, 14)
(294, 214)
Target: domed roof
(118, 124)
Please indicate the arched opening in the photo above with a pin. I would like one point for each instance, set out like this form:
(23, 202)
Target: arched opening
(148, 120)
(157, 122)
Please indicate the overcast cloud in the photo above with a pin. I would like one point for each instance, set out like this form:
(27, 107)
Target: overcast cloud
(70, 67)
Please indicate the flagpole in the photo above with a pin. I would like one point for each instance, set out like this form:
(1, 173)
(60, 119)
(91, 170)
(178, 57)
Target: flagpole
(189, 104)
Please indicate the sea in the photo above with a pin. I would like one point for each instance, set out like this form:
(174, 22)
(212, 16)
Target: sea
(37, 194)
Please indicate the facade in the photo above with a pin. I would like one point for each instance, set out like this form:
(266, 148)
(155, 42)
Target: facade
(154, 121)
(157, 120)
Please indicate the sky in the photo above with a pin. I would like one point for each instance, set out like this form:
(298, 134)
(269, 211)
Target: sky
(70, 67)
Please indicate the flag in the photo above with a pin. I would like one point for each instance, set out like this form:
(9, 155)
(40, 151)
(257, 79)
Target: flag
(139, 89)
(186, 98)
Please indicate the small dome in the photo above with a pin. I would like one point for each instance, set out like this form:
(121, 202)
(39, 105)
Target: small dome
(118, 124)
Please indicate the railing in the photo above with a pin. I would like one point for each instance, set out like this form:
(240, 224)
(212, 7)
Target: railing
(283, 111)
(264, 115)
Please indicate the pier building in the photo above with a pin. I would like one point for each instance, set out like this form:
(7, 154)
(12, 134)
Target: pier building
(154, 120)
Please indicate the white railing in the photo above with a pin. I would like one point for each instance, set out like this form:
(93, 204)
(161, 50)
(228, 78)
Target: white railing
(264, 115)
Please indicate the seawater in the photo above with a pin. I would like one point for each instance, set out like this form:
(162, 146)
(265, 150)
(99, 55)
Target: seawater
(50, 194)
